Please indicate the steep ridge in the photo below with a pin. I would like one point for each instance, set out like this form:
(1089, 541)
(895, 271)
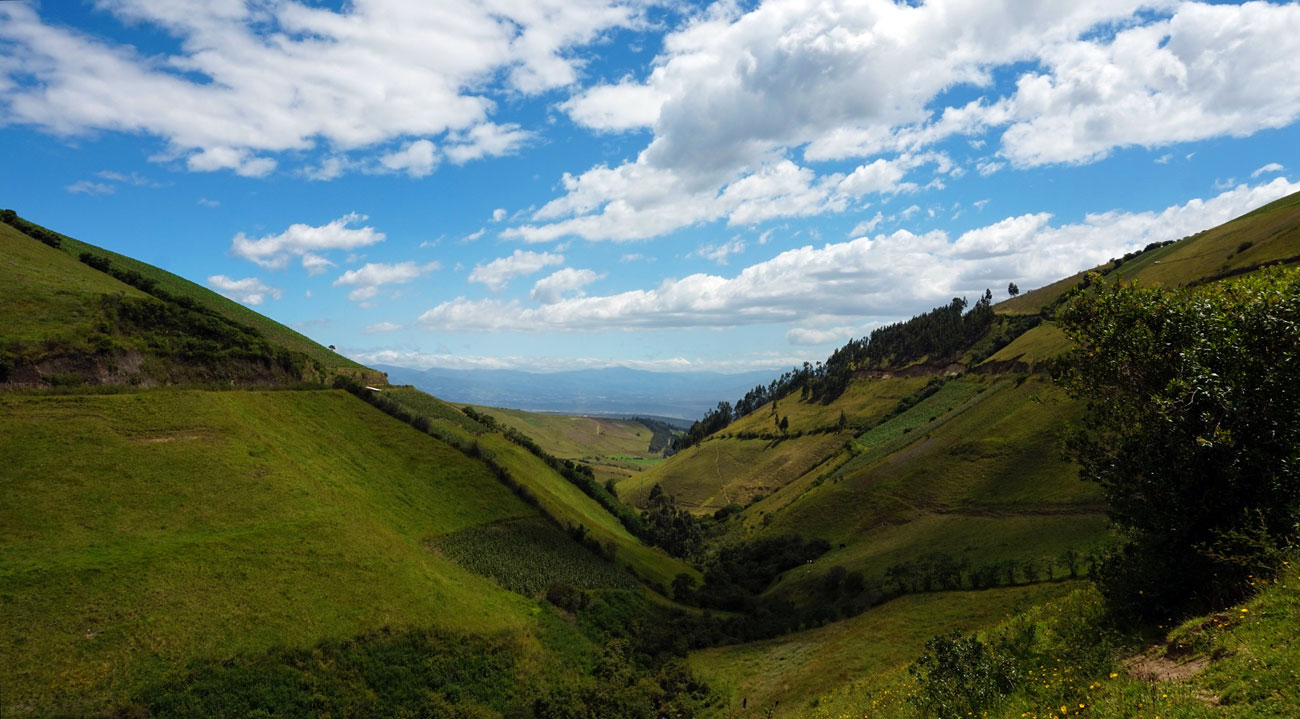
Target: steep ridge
(176, 539)
(83, 313)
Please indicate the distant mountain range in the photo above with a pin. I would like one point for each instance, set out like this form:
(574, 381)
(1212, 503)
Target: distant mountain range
(613, 390)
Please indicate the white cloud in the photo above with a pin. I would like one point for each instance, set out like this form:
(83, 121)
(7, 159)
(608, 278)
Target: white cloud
(486, 140)
(240, 160)
(87, 187)
(252, 80)
(135, 179)
(417, 159)
(250, 290)
(889, 276)
(209, 203)
(315, 264)
(742, 89)
(381, 327)
(1207, 71)
(866, 226)
(637, 202)
(498, 273)
(625, 106)
(719, 253)
(812, 337)
(371, 276)
(552, 288)
(426, 360)
(274, 251)
(499, 214)
(1267, 169)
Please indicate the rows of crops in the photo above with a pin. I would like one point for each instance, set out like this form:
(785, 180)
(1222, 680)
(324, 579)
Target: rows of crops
(528, 556)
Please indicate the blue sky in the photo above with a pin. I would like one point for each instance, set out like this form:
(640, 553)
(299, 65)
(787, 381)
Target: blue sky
(543, 184)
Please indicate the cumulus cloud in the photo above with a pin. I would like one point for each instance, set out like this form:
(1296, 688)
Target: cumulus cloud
(498, 273)
(552, 288)
(274, 251)
(866, 226)
(381, 327)
(1207, 71)
(250, 290)
(812, 337)
(371, 276)
(719, 253)
(417, 159)
(250, 82)
(315, 264)
(426, 360)
(888, 276)
(741, 90)
(486, 140)
(88, 187)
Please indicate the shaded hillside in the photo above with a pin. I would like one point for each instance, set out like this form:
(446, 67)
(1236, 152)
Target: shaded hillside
(556, 495)
(61, 282)
(614, 449)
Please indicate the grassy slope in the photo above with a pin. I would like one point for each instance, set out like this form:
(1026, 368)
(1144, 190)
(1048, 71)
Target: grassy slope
(1241, 663)
(982, 482)
(558, 496)
(726, 469)
(614, 448)
(577, 437)
(1039, 344)
(166, 525)
(49, 295)
(1273, 232)
(788, 673)
(272, 330)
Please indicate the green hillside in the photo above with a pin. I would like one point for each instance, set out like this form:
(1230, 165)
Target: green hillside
(557, 496)
(176, 541)
(205, 550)
(930, 476)
(614, 448)
(167, 525)
(54, 289)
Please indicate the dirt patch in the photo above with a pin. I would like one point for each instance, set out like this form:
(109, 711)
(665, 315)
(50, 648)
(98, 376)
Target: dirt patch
(159, 439)
(1163, 669)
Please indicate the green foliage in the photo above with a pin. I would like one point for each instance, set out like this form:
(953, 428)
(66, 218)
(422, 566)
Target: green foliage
(741, 572)
(668, 526)
(961, 676)
(528, 557)
(1192, 432)
(661, 435)
(413, 673)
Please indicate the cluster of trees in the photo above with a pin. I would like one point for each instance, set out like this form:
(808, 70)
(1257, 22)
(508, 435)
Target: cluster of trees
(661, 433)
(1192, 431)
(36, 232)
(741, 572)
(668, 526)
(937, 336)
(199, 338)
(938, 570)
